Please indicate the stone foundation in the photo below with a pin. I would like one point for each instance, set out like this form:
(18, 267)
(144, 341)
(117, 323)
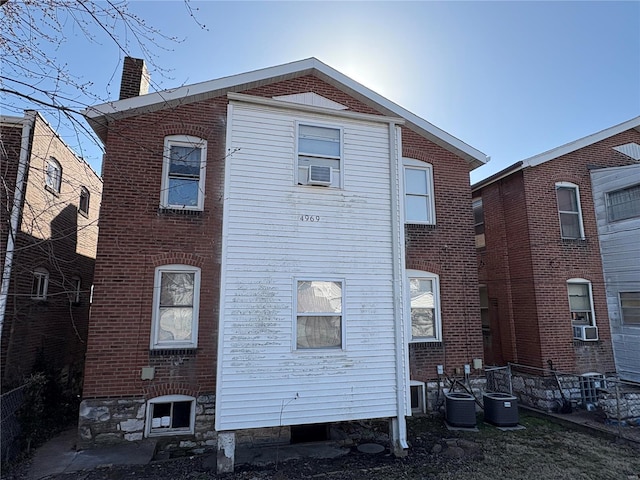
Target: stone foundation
(112, 421)
(626, 409)
(435, 395)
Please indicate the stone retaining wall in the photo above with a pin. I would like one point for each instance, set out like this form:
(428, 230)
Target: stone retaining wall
(627, 406)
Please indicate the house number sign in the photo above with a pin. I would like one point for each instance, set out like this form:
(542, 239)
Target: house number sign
(309, 218)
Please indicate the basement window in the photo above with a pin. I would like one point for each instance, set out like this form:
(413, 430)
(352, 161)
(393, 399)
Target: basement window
(170, 415)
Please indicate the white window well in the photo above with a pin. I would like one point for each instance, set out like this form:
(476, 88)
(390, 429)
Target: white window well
(183, 172)
(319, 322)
(176, 298)
(319, 158)
(424, 305)
(568, 199)
(419, 204)
(170, 415)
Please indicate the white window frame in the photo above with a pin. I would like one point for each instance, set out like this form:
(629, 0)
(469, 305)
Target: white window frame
(435, 279)
(151, 432)
(294, 340)
(579, 212)
(626, 324)
(183, 141)
(582, 281)
(41, 277)
(480, 238)
(54, 183)
(84, 193)
(335, 182)
(412, 164)
(156, 343)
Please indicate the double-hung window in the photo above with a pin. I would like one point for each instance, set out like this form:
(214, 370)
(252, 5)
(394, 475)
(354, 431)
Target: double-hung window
(40, 284)
(319, 322)
(183, 172)
(424, 303)
(83, 206)
(580, 302)
(623, 203)
(568, 199)
(478, 221)
(319, 160)
(170, 415)
(53, 175)
(419, 205)
(176, 299)
(630, 308)
(74, 295)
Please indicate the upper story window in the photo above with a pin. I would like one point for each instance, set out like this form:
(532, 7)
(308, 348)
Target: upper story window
(623, 204)
(478, 221)
(580, 302)
(183, 172)
(40, 284)
(568, 198)
(319, 159)
(630, 307)
(424, 292)
(76, 284)
(319, 321)
(170, 415)
(419, 204)
(176, 299)
(83, 206)
(53, 175)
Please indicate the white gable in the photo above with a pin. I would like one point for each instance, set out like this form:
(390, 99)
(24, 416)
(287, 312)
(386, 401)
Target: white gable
(313, 99)
(630, 150)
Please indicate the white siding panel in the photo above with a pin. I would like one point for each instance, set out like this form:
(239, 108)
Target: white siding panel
(264, 381)
(620, 250)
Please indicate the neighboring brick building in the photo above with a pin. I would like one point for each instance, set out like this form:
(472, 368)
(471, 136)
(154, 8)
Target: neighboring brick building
(540, 267)
(289, 195)
(49, 219)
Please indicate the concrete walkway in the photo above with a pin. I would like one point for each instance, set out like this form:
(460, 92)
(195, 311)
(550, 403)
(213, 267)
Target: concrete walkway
(59, 455)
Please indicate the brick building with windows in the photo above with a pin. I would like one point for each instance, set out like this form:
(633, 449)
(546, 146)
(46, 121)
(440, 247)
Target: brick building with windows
(278, 248)
(49, 234)
(542, 287)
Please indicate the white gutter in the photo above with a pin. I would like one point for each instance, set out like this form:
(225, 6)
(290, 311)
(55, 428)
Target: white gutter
(399, 432)
(23, 166)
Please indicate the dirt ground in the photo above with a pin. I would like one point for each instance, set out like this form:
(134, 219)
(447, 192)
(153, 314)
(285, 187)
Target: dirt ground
(542, 451)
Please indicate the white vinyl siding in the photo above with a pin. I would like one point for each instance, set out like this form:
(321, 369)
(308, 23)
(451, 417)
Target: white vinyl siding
(296, 233)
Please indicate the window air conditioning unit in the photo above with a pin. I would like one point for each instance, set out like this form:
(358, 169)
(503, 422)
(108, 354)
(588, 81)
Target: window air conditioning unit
(320, 175)
(586, 333)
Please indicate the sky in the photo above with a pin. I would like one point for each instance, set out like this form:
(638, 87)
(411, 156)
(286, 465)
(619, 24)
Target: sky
(512, 79)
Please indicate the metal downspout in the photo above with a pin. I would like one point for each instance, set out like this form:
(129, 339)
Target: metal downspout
(23, 166)
(398, 302)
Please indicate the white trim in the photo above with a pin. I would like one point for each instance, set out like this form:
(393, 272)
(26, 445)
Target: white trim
(435, 278)
(343, 328)
(581, 143)
(155, 342)
(41, 275)
(182, 141)
(99, 115)
(53, 162)
(311, 99)
(170, 432)
(578, 202)
(412, 164)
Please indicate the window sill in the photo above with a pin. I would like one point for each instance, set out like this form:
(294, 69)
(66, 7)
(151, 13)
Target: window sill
(574, 241)
(423, 226)
(83, 214)
(166, 211)
(425, 344)
(51, 191)
(165, 352)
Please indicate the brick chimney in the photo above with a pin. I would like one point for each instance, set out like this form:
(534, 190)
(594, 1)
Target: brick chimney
(135, 78)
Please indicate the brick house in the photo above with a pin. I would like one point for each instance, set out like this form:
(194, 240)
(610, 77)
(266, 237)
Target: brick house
(542, 287)
(49, 234)
(278, 248)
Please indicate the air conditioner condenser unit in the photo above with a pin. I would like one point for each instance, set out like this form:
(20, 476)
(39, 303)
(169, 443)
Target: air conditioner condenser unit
(586, 333)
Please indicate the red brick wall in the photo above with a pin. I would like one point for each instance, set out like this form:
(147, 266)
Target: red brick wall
(52, 235)
(522, 227)
(134, 238)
